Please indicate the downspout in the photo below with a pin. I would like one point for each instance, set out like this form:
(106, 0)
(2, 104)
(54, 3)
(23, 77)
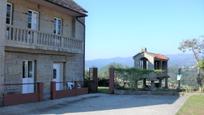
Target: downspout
(84, 26)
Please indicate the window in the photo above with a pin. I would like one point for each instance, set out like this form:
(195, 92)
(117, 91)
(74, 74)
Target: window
(33, 20)
(24, 69)
(157, 65)
(54, 73)
(57, 26)
(9, 12)
(144, 63)
(29, 19)
(73, 27)
(28, 69)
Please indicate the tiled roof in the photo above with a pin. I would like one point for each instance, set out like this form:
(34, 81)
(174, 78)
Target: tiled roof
(158, 56)
(155, 55)
(70, 4)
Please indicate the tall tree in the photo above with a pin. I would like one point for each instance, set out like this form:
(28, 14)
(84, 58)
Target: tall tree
(195, 46)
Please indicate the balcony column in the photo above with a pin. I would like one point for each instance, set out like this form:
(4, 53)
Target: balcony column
(144, 83)
(152, 85)
(166, 82)
(2, 42)
(160, 83)
(35, 38)
(62, 42)
(161, 65)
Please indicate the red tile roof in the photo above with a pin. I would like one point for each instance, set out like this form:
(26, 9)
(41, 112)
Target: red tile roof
(158, 56)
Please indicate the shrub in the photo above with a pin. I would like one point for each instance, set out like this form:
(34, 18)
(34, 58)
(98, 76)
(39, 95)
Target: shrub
(129, 77)
(201, 64)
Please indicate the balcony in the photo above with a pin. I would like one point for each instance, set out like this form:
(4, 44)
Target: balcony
(31, 39)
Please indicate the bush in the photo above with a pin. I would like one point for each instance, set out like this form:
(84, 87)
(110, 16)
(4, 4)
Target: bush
(103, 82)
(129, 77)
(201, 64)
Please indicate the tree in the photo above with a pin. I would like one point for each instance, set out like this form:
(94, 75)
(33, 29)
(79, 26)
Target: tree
(104, 71)
(195, 46)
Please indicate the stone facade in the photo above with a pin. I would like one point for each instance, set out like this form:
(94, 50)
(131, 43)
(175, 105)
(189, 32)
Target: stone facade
(44, 65)
(11, 58)
(46, 18)
(2, 42)
(150, 61)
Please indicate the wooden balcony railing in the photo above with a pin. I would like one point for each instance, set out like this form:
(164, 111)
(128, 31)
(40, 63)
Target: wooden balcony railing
(27, 38)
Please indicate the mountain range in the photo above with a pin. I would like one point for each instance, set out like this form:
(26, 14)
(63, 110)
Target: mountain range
(175, 60)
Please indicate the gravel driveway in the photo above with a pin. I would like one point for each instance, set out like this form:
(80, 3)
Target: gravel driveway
(103, 104)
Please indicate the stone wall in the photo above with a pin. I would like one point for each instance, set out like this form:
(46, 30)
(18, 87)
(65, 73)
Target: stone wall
(44, 64)
(155, 92)
(150, 61)
(137, 60)
(2, 40)
(46, 17)
(12, 59)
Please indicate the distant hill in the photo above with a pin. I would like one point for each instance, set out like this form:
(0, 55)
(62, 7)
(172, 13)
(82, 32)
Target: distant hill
(181, 60)
(175, 60)
(103, 62)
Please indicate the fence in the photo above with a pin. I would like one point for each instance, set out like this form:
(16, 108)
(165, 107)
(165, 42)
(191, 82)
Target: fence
(15, 93)
(66, 89)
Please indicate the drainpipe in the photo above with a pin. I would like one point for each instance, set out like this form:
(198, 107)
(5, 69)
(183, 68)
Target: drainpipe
(84, 26)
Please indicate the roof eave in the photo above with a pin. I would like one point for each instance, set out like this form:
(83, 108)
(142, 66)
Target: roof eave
(137, 55)
(162, 59)
(80, 13)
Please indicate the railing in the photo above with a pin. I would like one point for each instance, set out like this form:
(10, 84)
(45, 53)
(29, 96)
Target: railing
(17, 37)
(67, 88)
(69, 85)
(16, 88)
(13, 93)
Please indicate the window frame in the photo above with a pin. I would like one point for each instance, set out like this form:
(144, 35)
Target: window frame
(28, 69)
(29, 19)
(11, 13)
(73, 27)
(38, 19)
(58, 27)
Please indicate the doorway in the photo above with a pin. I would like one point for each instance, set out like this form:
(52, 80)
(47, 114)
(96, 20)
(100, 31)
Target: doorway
(28, 77)
(58, 75)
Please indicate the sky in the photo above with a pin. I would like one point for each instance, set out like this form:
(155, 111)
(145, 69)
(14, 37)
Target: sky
(120, 28)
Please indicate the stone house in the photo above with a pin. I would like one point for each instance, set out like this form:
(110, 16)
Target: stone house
(152, 61)
(41, 41)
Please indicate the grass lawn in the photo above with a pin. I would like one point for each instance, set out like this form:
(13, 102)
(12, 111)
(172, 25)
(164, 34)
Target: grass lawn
(103, 89)
(193, 106)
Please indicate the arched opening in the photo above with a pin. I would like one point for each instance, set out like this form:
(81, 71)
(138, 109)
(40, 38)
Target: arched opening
(144, 63)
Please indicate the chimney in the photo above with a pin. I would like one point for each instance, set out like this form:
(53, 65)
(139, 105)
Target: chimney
(144, 50)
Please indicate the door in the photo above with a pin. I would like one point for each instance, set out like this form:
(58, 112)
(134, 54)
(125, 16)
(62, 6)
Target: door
(57, 75)
(28, 77)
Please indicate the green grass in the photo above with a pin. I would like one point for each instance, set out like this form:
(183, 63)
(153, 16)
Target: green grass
(103, 89)
(193, 106)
